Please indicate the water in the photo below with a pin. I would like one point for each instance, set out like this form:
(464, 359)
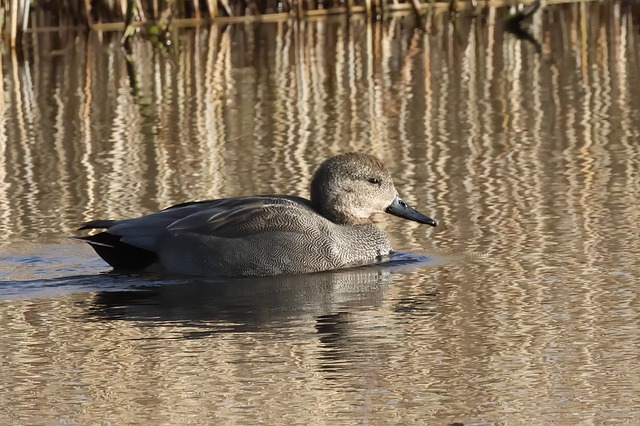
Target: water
(521, 307)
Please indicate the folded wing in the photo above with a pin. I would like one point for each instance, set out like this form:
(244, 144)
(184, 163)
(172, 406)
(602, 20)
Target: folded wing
(134, 244)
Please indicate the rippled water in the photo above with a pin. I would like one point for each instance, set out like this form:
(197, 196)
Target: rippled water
(520, 308)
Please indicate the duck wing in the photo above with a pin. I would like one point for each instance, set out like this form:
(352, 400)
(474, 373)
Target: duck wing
(241, 218)
(258, 236)
(134, 243)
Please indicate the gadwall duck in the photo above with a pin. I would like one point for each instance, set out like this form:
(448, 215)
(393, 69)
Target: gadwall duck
(265, 234)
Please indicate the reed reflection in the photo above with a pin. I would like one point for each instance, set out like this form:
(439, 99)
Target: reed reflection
(530, 161)
(470, 118)
(183, 126)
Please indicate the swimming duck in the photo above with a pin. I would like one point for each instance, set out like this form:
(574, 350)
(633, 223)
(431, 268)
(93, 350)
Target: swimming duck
(265, 234)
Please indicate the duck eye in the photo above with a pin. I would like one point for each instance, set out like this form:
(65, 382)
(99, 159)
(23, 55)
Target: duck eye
(374, 181)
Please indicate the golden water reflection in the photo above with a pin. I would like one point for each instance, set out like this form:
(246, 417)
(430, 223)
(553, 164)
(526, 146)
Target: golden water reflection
(527, 313)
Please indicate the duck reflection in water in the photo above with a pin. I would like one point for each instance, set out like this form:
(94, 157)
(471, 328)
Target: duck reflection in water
(329, 304)
(245, 304)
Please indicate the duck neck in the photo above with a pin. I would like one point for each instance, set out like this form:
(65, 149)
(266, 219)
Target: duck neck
(339, 217)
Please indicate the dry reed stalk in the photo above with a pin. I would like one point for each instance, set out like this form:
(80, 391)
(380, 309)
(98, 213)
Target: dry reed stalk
(213, 8)
(196, 9)
(380, 6)
(87, 12)
(13, 22)
(113, 11)
(26, 6)
(300, 9)
(140, 10)
(1, 89)
(227, 8)
(417, 7)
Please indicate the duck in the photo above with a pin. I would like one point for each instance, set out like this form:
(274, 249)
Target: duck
(264, 235)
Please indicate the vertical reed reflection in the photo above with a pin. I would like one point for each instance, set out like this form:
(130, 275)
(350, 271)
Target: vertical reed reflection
(449, 109)
(292, 93)
(4, 199)
(530, 162)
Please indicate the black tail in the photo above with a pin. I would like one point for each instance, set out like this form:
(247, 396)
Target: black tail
(118, 254)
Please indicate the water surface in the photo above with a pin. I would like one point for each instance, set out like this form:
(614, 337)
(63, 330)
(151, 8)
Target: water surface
(521, 307)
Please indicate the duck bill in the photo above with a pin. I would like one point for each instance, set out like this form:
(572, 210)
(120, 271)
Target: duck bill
(401, 209)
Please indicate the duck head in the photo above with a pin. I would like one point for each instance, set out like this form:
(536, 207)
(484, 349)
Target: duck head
(349, 188)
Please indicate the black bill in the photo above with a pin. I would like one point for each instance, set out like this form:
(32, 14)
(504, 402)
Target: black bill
(401, 209)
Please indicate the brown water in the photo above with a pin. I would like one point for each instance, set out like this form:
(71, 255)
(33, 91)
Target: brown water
(522, 306)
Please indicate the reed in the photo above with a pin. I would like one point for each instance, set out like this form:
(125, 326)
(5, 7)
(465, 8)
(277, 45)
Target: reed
(18, 17)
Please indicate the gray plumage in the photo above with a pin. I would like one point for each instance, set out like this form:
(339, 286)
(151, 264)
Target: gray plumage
(268, 234)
